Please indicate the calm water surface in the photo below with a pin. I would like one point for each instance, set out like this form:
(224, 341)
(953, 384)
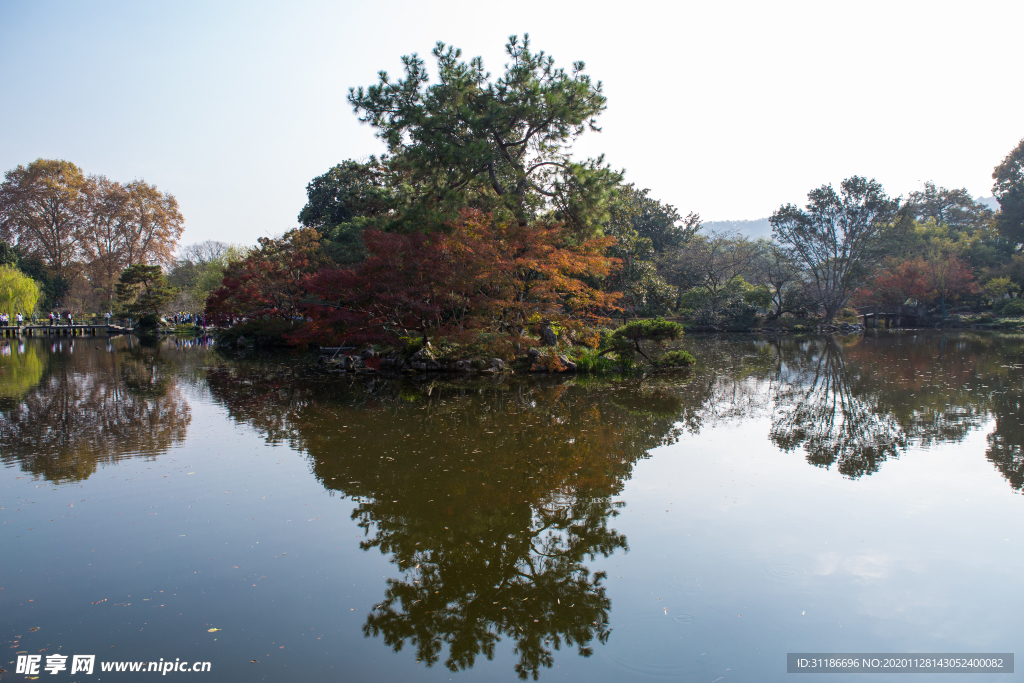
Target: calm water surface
(830, 495)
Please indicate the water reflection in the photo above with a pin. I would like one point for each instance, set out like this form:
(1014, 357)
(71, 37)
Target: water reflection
(854, 403)
(489, 499)
(87, 408)
(1006, 440)
(494, 499)
(21, 367)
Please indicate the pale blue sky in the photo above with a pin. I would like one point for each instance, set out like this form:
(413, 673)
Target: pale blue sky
(727, 109)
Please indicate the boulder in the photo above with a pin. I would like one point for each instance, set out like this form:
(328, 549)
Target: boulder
(533, 355)
(423, 354)
(497, 363)
(569, 365)
(433, 366)
(478, 363)
(367, 353)
(548, 336)
(462, 366)
(241, 341)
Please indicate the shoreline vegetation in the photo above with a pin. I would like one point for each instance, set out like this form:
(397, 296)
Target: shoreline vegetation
(478, 242)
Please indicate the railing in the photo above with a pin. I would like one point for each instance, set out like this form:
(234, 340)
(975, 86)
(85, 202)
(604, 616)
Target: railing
(891, 314)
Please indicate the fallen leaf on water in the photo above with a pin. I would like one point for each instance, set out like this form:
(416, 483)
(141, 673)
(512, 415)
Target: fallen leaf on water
(253, 661)
(213, 630)
(34, 628)
(99, 601)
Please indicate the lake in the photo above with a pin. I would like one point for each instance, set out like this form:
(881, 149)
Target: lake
(170, 503)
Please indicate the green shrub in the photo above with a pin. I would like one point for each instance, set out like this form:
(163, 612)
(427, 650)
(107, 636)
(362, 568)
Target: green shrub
(590, 361)
(625, 341)
(731, 314)
(1013, 308)
(759, 296)
(693, 300)
(657, 330)
(674, 359)
(736, 308)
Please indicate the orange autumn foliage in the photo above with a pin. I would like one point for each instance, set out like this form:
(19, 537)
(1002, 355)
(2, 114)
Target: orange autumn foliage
(943, 278)
(479, 276)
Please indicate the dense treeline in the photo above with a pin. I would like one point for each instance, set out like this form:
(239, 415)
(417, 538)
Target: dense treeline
(477, 229)
(74, 234)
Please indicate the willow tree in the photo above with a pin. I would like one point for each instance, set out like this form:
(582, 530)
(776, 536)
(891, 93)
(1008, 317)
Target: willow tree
(18, 292)
(500, 145)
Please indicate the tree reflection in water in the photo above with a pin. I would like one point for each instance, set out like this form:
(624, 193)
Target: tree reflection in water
(489, 499)
(822, 407)
(492, 498)
(21, 367)
(855, 402)
(91, 406)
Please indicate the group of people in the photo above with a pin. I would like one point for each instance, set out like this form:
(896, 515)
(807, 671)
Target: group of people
(68, 318)
(56, 318)
(189, 319)
(5, 319)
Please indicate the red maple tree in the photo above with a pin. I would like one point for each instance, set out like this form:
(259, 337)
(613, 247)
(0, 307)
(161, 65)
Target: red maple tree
(269, 281)
(898, 283)
(479, 276)
(942, 277)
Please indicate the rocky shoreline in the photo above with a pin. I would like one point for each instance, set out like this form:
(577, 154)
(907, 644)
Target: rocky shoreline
(424, 360)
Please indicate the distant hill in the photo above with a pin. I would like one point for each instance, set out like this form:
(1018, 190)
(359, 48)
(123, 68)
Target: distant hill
(990, 202)
(752, 229)
(762, 228)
